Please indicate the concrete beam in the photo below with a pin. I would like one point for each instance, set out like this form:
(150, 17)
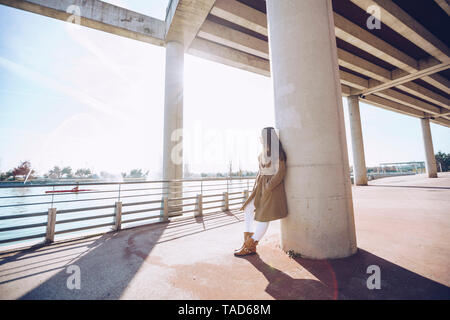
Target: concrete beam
(409, 101)
(99, 15)
(383, 82)
(365, 40)
(346, 90)
(392, 106)
(241, 14)
(401, 22)
(426, 94)
(359, 83)
(352, 80)
(441, 121)
(362, 66)
(234, 39)
(439, 82)
(229, 56)
(403, 78)
(187, 19)
(444, 4)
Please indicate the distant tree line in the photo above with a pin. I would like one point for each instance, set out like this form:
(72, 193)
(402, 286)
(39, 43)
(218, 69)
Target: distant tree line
(443, 161)
(24, 170)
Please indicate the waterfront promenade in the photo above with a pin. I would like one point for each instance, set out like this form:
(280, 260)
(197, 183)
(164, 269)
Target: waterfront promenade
(402, 225)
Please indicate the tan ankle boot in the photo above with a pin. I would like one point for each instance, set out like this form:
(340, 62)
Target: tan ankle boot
(248, 248)
(246, 236)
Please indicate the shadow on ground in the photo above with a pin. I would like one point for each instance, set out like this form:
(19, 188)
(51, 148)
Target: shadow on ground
(347, 279)
(112, 261)
(107, 264)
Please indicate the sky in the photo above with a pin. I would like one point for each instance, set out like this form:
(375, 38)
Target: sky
(72, 96)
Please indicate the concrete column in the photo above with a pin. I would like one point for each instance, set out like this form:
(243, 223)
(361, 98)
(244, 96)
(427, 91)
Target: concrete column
(173, 114)
(429, 151)
(359, 161)
(309, 115)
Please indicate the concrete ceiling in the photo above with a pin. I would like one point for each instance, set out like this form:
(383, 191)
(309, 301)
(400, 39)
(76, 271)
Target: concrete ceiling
(403, 67)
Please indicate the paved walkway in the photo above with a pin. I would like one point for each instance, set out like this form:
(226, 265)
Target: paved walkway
(403, 226)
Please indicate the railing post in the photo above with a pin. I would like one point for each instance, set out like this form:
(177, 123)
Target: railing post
(118, 216)
(225, 202)
(199, 205)
(51, 220)
(245, 195)
(165, 204)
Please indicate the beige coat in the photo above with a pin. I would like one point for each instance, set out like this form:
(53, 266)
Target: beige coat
(269, 194)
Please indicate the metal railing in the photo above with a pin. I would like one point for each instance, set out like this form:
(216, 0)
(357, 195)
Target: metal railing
(43, 212)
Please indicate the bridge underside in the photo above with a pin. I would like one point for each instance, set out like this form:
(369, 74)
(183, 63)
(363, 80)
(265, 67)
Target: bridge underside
(403, 66)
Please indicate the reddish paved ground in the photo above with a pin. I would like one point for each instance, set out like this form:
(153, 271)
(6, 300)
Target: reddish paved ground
(403, 226)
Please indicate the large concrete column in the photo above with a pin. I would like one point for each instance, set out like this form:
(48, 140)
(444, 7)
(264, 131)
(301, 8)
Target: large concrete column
(173, 114)
(429, 151)
(359, 161)
(309, 114)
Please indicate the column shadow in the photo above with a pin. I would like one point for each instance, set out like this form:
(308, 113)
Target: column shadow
(347, 279)
(283, 287)
(106, 268)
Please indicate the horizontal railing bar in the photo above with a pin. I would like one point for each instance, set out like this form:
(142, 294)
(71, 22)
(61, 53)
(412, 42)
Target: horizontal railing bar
(229, 199)
(140, 203)
(29, 226)
(84, 209)
(178, 199)
(238, 192)
(85, 218)
(34, 236)
(206, 208)
(24, 215)
(84, 228)
(212, 195)
(142, 210)
(212, 201)
(186, 204)
(140, 219)
(185, 211)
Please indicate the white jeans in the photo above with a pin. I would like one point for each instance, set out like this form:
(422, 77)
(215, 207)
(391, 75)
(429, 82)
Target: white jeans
(249, 216)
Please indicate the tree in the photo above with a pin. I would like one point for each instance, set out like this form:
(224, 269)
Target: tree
(83, 173)
(137, 173)
(444, 160)
(67, 171)
(5, 175)
(23, 169)
(55, 173)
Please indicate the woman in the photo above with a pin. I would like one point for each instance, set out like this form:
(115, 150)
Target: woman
(267, 201)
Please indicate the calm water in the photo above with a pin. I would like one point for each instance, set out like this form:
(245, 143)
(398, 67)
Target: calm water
(35, 200)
